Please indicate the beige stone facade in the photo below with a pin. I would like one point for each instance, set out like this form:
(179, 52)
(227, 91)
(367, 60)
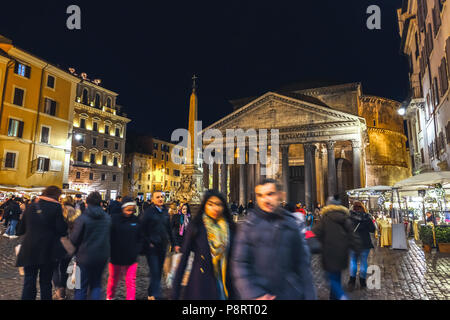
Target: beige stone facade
(329, 143)
(425, 40)
(146, 172)
(98, 141)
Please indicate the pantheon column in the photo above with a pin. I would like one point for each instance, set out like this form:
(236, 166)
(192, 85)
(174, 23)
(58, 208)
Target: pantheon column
(313, 177)
(309, 149)
(215, 176)
(285, 169)
(223, 179)
(205, 176)
(242, 184)
(332, 185)
(356, 148)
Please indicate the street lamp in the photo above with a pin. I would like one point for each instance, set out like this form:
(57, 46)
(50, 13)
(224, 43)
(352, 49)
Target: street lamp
(78, 137)
(401, 111)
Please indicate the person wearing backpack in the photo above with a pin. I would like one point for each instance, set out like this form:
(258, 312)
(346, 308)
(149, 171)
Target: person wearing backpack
(363, 226)
(43, 225)
(335, 232)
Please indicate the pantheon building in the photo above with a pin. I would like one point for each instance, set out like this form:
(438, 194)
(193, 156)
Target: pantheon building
(331, 139)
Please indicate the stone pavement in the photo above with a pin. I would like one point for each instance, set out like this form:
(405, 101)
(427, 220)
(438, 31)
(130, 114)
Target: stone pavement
(405, 275)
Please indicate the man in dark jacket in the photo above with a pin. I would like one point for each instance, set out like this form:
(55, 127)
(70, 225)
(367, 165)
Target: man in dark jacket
(13, 212)
(336, 234)
(79, 204)
(115, 206)
(157, 233)
(91, 236)
(363, 226)
(271, 259)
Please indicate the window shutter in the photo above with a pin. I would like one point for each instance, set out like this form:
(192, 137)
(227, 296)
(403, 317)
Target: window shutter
(53, 108)
(16, 68)
(46, 164)
(447, 49)
(27, 71)
(20, 131)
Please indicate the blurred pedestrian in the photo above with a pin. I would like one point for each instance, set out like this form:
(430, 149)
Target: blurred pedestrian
(210, 237)
(158, 236)
(336, 234)
(60, 273)
(363, 226)
(115, 206)
(126, 244)
(91, 236)
(13, 212)
(43, 225)
(271, 259)
(80, 206)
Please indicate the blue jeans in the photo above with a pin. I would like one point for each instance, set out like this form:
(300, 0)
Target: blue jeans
(45, 282)
(91, 278)
(362, 257)
(11, 231)
(336, 291)
(155, 260)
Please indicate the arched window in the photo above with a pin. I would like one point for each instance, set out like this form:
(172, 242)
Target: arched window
(108, 102)
(97, 100)
(85, 98)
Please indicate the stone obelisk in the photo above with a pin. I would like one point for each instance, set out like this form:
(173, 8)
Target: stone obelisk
(191, 177)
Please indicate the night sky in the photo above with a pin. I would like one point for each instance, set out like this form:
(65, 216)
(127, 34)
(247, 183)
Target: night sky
(147, 51)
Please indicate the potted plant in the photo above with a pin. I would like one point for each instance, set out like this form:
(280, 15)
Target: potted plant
(443, 238)
(426, 236)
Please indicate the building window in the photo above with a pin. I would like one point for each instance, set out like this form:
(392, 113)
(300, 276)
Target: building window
(176, 173)
(50, 106)
(95, 126)
(43, 164)
(81, 139)
(83, 123)
(94, 141)
(115, 162)
(85, 98)
(78, 176)
(139, 187)
(104, 160)
(108, 102)
(155, 146)
(105, 143)
(140, 176)
(10, 160)
(91, 176)
(154, 155)
(50, 82)
(117, 132)
(15, 128)
(103, 176)
(45, 134)
(106, 129)
(148, 177)
(162, 157)
(114, 177)
(80, 156)
(18, 96)
(92, 157)
(97, 101)
(116, 146)
(22, 70)
(129, 176)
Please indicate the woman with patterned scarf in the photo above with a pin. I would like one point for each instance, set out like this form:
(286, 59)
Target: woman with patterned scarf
(210, 237)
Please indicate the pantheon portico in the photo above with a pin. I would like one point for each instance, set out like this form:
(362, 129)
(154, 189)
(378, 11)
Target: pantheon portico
(323, 144)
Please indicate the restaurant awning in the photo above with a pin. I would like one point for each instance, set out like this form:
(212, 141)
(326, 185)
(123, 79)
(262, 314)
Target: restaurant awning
(424, 180)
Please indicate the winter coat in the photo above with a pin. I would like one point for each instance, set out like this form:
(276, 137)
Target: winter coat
(70, 215)
(234, 207)
(335, 232)
(175, 226)
(156, 228)
(126, 239)
(202, 284)
(41, 244)
(271, 257)
(115, 207)
(13, 211)
(91, 236)
(364, 226)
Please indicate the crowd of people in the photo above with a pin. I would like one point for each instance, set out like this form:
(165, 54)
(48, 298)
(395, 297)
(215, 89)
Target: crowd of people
(266, 256)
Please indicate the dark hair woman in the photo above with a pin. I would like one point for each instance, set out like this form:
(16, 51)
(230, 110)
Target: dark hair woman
(43, 224)
(210, 237)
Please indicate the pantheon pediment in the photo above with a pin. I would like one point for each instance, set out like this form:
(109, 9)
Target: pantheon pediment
(273, 110)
